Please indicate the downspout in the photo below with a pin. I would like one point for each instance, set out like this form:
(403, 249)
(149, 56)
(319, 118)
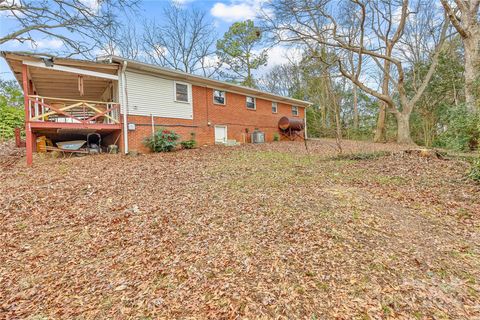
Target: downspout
(125, 109)
(153, 133)
(153, 124)
(209, 124)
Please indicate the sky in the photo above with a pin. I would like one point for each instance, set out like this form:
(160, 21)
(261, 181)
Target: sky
(222, 12)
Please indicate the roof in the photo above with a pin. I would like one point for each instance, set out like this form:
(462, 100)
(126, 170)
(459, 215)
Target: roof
(113, 60)
(53, 83)
(204, 81)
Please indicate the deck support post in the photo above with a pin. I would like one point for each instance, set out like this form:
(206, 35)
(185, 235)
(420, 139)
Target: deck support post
(29, 144)
(28, 129)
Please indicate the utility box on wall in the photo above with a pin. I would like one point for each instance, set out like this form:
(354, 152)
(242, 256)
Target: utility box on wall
(131, 127)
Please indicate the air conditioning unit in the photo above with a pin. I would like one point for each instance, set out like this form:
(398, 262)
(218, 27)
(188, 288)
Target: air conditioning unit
(258, 136)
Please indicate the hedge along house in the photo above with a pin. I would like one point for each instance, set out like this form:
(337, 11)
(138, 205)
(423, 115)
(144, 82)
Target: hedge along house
(126, 101)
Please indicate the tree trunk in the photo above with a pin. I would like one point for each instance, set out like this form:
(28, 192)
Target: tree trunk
(338, 127)
(403, 128)
(324, 117)
(355, 108)
(380, 132)
(472, 53)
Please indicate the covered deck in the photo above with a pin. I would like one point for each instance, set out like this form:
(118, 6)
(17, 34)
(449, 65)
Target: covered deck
(65, 99)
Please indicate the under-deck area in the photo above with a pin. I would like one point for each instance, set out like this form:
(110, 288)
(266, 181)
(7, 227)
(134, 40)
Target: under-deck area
(66, 100)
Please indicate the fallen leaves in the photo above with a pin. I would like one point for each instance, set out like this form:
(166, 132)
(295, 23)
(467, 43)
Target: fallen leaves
(266, 231)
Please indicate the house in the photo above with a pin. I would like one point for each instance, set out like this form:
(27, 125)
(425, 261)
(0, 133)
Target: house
(125, 101)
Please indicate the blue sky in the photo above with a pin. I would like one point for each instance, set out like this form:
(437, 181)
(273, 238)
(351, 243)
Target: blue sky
(222, 12)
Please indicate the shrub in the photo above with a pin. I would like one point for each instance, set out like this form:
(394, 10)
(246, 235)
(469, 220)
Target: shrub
(276, 137)
(163, 140)
(461, 130)
(362, 133)
(189, 144)
(475, 170)
(10, 118)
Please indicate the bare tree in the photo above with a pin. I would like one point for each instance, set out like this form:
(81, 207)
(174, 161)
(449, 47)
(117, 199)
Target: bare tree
(130, 42)
(123, 40)
(76, 23)
(465, 17)
(355, 107)
(374, 41)
(323, 88)
(283, 79)
(184, 41)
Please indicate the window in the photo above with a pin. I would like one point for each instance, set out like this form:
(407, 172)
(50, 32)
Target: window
(218, 97)
(250, 103)
(181, 92)
(295, 110)
(274, 107)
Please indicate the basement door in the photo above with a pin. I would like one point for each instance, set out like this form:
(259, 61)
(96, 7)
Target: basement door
(221, 134)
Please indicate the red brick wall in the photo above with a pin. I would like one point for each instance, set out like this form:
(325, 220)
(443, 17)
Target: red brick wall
(234, 114)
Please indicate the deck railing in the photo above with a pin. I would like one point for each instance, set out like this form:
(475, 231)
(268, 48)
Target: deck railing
(48, 109)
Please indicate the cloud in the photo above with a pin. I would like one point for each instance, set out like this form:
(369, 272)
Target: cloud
(236, 11)
(48, 44)
(282, 54)
(182, 2)
(12, 5)
(93, 5)
(211, 60)
(278, 55)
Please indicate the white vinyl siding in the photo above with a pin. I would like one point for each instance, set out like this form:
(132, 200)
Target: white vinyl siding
(150, 95)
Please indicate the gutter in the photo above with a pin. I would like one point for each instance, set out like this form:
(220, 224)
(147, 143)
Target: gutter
(125, 109)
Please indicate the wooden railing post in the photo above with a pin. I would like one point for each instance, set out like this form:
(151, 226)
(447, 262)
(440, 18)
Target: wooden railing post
(43, 108)
(36, 107)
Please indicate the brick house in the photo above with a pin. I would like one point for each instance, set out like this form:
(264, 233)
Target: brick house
(125, 101)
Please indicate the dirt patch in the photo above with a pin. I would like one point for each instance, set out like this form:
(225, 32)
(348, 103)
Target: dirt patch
(256, 232)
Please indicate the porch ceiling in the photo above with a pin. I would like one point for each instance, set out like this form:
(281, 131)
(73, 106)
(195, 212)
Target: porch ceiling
(60, 84)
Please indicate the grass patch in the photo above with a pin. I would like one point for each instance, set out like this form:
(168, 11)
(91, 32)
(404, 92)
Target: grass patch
(390, 180)
(361, 156)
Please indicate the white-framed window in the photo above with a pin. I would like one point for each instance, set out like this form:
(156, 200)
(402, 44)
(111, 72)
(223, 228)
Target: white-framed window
(219, 97)
(250, 103)
(294, 111)
(274, 107)
(182, 92)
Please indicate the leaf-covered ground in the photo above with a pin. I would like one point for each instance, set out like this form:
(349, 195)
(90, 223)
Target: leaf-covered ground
(265, 232)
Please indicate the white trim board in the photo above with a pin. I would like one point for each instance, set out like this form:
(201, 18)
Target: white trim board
(71, 70)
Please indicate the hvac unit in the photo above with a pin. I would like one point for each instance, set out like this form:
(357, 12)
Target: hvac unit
(258, 136)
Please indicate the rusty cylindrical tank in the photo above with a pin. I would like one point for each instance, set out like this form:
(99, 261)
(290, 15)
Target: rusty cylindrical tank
(293, 124)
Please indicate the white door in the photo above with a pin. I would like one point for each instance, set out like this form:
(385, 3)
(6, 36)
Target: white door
(220, 134)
